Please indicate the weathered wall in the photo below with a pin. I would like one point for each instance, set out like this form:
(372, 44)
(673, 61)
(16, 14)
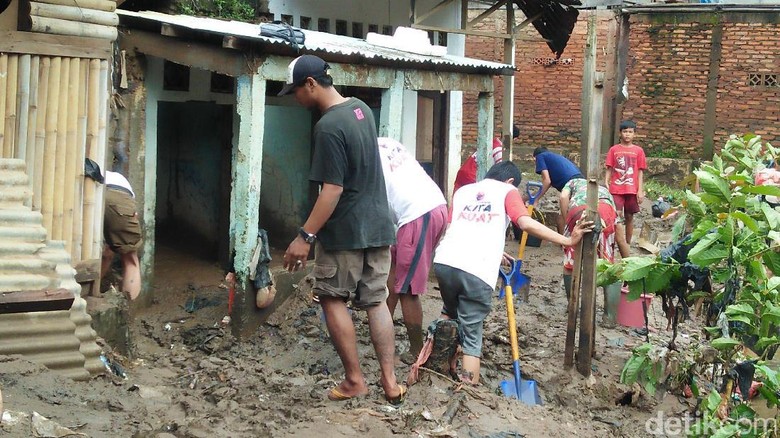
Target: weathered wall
(284, 194)
(668, 67)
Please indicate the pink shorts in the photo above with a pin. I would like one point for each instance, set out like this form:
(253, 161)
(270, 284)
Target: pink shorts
(411, 277)
(627, 202)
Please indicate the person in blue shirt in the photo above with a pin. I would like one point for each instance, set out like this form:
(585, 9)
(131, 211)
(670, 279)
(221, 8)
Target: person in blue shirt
(556, 170)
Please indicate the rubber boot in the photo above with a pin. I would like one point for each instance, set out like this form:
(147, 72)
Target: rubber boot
(567, 285)
(611, 301)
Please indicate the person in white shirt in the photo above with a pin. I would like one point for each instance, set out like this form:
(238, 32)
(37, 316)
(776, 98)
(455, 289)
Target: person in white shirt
(420, 216)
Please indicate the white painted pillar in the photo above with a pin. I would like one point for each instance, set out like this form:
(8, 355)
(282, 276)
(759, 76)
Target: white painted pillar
(247, 166)
(484, 133)
(391, 115)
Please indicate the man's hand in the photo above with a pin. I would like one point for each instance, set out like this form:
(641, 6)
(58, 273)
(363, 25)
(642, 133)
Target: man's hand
(579, 230)
(296, 254)
(640, 196)
(507, 260)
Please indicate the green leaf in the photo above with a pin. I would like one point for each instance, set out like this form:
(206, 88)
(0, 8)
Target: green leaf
(702, 229)
(742, 318)
(772, 216)
(707, 253)
(631, 370)
(726, 232)
(745, 219)
(658, 278)
(650, 387)
(724, 343)
(695, 205)
(737, 309)
(769, 395)
(714, 185)
(636, 268)
(761, 190)
(773, 283)
(713, 400)
(766, 342)
(727, 431)
(770, 374)
(740, 177)
(772, 261)
(679, 227)
(635, 290)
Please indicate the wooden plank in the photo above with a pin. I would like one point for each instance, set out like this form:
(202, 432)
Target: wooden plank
(74, 13)
(508, 98)
(574, 302)
(526, 22)
(100, 5)
(23, 102)
(32, 126)
(61, 152)
(73, 28)
(9, 141)
(35, 301)
(211, 58)
(54, 45)
(40, 131)
(50, 147)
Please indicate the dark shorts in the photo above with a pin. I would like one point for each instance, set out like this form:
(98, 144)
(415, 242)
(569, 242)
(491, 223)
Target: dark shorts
(467, 299)
(411, 276)
(358, 275)
(627, 203)
(121, 228)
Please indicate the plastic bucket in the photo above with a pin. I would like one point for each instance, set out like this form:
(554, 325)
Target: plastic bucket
(630, 313)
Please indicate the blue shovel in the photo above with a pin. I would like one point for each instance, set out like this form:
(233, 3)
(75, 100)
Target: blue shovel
(524, 390)
(517, 279)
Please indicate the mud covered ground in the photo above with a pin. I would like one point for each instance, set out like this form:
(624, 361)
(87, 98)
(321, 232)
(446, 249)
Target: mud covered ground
(189, 377)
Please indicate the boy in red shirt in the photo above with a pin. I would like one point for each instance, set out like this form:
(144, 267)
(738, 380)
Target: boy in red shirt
(625, 165)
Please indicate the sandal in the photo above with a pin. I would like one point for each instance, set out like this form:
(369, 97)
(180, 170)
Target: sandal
(336, 395)
(399, 399)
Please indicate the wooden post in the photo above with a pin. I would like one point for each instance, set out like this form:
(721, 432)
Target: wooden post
(40, 132)
(621, 61)
(710, 114)
(80, 183)
(97, 237)
(90, 186)
(35, 69)
(590, 154)
(574, 301)
(24, 106)
(484, 133)
(61, 152)
(508, 99)
(49, 153)
(10, 106)
(71, 141)
(391, 115)
(3, 89)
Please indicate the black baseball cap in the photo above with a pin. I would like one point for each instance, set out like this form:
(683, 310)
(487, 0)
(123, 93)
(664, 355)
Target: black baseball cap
(301, 68)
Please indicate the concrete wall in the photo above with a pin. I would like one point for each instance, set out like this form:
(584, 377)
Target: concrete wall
(284, 194)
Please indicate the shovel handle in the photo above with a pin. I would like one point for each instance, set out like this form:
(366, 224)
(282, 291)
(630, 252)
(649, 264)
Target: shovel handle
(533, 194)
(510, 316)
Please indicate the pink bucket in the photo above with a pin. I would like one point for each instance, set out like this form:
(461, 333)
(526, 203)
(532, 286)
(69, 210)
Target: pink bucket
(630, 313)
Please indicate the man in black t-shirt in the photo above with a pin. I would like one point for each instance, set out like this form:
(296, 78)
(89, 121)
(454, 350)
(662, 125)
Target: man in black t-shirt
(351, 222)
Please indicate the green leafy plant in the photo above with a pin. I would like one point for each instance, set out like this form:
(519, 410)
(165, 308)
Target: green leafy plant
(735, 236)
(654, 190)
(239, 10)
(646, 366)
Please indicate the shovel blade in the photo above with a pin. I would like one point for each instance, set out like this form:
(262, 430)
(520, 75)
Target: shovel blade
(527, 393)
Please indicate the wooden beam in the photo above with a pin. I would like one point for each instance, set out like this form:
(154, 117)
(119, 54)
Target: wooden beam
(234, 43)
(508, 98)
(526, 22)
(192, 54)
(391, 115)
(574, 302)
(590, 152)
(35, 300)
(488, 12)
(710, 109)
(478, 33)
(443, 81)
(54, 45)
(433, 10)
(484, 133)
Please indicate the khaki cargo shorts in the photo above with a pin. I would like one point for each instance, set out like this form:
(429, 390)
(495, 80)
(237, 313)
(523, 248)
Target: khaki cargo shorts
(121, 227)
(358, 275)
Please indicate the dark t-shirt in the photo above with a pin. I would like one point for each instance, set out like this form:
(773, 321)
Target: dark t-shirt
(560, 168)
(346, 153)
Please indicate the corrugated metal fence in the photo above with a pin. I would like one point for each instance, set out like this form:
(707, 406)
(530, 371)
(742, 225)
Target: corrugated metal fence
(53, 114)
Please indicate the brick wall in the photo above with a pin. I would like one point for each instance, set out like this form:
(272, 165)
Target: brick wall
(667, 72)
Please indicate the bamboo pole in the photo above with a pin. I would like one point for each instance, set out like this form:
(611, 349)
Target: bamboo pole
(74, 13)
(71, 141)
(32, 121)
(23, 97)
(40, 132)
(49, 153)
(101, 5)
(78, 202)
(3, 86)
(10, 106)
(97, 247)
(57, 26)
(93, 113)
(61, 152)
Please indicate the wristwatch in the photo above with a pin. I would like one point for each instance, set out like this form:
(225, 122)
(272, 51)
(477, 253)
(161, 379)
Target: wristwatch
(307, 237)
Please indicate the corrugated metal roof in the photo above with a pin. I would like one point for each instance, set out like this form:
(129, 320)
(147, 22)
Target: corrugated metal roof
(62, 340)
(318, 42)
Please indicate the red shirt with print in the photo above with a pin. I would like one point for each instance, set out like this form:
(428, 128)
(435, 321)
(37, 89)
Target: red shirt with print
(626, 163)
